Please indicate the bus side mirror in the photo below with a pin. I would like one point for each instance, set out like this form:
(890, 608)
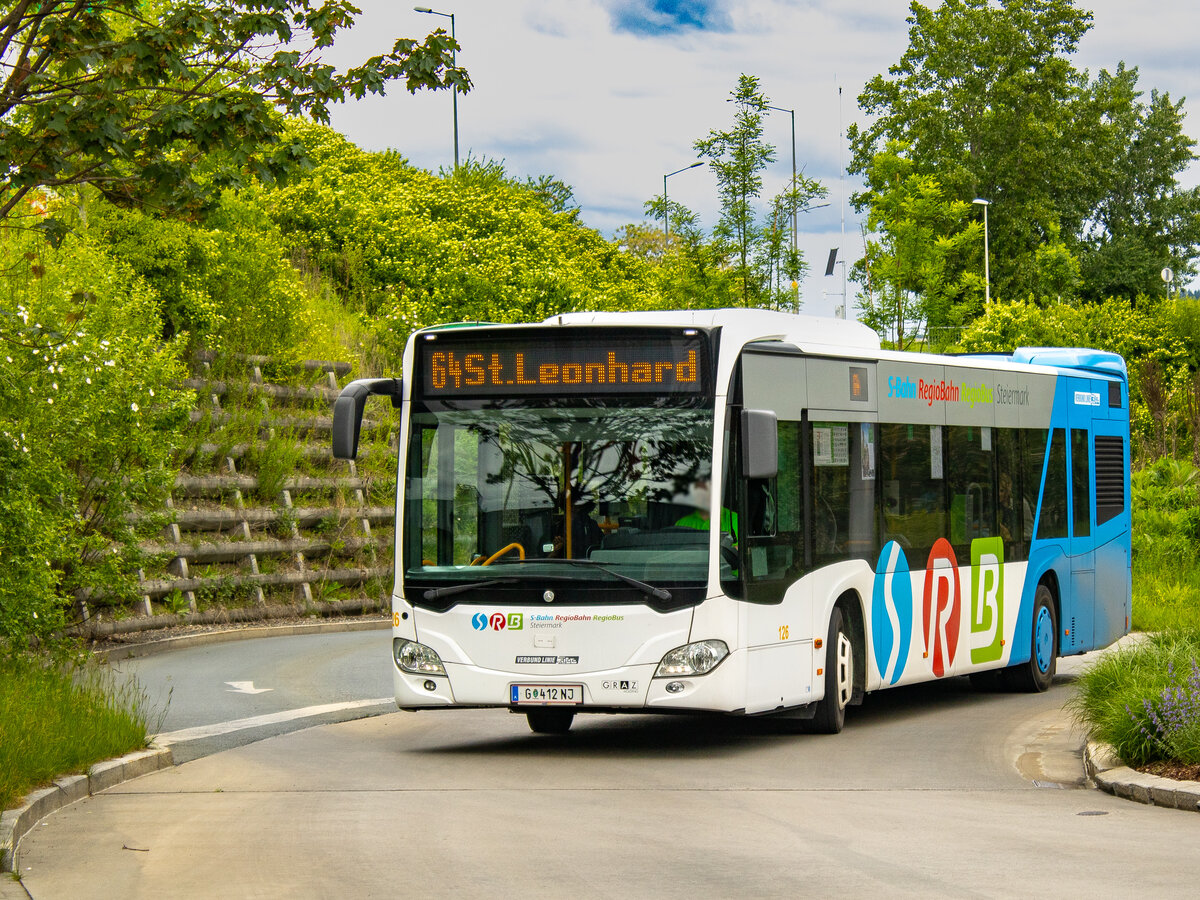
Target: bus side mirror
(760, 443)
(348, 411)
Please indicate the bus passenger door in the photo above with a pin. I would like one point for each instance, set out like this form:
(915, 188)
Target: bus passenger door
(1077, 631)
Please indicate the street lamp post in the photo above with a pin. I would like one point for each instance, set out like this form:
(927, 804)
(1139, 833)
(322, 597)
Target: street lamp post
(987, 275)
(792, 113)
(666, 208)
(453, 61)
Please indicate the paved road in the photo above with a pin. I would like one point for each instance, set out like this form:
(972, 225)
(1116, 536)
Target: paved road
(931, 791)
(220, 681)
(265, 686)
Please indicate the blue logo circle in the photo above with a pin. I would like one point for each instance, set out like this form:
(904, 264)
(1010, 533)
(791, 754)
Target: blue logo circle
(891, 612)
(479, 621)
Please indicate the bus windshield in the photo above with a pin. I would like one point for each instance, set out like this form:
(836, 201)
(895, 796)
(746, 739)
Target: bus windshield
(507, 493)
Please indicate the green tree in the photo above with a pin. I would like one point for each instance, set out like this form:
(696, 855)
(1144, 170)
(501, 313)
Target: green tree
(687, 271)
(1142, 220)
(985, 96)
(737, 157)
(130, 96)
(761, 256)
(919, 287)
(988, 99)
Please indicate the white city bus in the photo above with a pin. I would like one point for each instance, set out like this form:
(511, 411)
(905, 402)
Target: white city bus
(743, 512)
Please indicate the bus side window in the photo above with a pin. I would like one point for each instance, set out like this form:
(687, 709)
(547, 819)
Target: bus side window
(1052, 515)
(1033, 456)
(774, 532)
(1011, 509)
(970, 449)
(914, 496)
(1081, 489)
(843, 491)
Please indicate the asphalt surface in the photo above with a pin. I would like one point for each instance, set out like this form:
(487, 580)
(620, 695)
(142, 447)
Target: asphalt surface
(930, 791)
(222, 694)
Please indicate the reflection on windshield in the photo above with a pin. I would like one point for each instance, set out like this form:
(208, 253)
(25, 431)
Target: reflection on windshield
(506, 488)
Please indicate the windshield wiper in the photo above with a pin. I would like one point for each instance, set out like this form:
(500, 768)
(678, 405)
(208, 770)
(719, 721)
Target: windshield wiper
(648, 589)
(450, 590)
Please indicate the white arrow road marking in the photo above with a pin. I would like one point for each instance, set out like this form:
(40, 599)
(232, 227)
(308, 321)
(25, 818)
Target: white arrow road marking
(245, 687)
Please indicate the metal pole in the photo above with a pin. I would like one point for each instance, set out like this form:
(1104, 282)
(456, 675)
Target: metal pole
(842, 189)
(666, 214)
(666, 208)
(795, 246)
(454, 90)
(987, 273)
(453, 62)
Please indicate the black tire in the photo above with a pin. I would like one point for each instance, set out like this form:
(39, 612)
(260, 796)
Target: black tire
(839, 677)
(1036, 675)
(549, 720)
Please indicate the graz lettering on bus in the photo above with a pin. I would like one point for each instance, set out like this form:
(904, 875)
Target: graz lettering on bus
(450, 369)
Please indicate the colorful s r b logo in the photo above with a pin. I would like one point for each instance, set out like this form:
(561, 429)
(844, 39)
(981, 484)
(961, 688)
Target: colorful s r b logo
(892, 613)
(498, 621)
(987, 599)
(943, 605)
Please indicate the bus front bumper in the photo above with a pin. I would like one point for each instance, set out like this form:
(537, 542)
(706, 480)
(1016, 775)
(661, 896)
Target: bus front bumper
(628, 688)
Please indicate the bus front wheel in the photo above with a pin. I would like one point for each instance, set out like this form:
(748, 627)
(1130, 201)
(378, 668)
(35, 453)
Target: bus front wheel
(839, 677)
(549, 721)
(1036, 675)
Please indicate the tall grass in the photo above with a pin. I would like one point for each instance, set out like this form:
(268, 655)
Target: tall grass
(58, 720)
(1166, 546)
(1144, 700)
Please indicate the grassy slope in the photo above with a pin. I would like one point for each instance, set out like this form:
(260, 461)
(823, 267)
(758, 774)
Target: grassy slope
(55, 722)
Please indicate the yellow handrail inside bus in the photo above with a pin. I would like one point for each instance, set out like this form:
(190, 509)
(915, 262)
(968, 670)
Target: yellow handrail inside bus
(499, 553)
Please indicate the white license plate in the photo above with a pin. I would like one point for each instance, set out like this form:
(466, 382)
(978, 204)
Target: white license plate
(546, 694)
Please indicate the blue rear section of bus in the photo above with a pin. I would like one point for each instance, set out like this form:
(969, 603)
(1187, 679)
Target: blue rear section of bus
(1087, 564)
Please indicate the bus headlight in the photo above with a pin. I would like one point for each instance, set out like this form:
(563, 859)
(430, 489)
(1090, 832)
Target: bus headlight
(416, 659)
(699, 658)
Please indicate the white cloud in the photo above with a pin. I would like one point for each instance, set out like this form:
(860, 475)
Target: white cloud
(560, 91)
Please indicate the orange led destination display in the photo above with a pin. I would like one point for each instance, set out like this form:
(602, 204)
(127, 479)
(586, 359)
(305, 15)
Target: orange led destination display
(600, 364)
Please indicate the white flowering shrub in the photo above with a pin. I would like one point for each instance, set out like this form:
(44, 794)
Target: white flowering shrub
(90, 409)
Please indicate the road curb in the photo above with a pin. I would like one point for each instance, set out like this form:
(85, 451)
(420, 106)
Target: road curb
(16, 823)
(225, 635)
(1111, 775)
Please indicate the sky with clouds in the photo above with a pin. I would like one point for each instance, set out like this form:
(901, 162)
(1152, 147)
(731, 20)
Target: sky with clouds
(609, 95)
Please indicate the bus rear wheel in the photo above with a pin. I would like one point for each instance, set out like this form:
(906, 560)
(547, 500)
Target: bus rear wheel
(839, 678)
(1036, 675)
(549, 721)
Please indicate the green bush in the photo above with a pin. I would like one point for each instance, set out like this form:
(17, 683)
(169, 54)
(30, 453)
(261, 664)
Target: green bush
(1159, 340)
(90, 409)
(407, 248)
(224, 282)
(1145, 700)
